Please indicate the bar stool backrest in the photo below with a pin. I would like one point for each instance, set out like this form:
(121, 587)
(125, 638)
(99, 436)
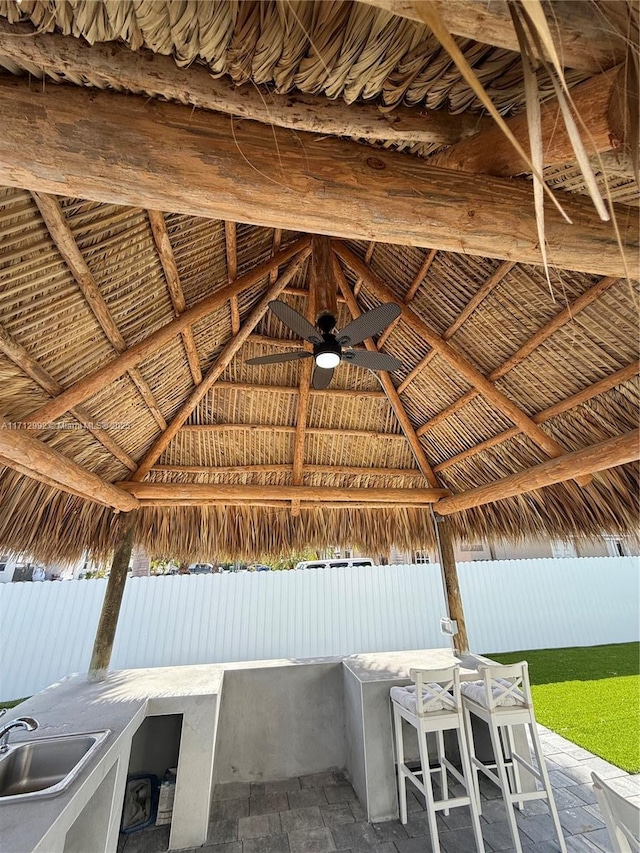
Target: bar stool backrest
(621, 817)
(448, 679)
(507, 685)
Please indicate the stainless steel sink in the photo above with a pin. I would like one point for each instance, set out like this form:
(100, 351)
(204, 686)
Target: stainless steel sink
(45, 766)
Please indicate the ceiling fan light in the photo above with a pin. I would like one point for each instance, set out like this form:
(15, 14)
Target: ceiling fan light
(327, 360)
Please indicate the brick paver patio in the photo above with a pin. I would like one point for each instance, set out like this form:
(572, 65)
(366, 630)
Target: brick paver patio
(320, 814)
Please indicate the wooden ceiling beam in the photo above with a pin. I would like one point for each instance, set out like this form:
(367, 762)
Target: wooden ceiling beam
(315, 184)
(159, 76)
(232, 271)
(27, 454)
(221, 363)
(409, 295)
(599, 457)
(16, 353)
(389, 388)
(352, 394)
(476, 300)
(322, 494)
(332, 470)
(174, 286)
(455, 360)
(489, 152)
(285, 428)
(583, 396)
(582, 37)
(94, 382)
(367, 259)
(63, 238)
(569, 313)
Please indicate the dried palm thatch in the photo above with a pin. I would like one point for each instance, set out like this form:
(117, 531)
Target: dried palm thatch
(61, 319)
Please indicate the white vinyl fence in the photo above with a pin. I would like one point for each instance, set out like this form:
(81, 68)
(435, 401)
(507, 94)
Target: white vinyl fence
(47, 629)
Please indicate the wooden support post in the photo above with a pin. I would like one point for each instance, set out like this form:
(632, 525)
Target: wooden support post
(444, 542)
(105, 635)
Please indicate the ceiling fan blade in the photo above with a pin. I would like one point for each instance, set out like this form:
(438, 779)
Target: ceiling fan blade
(279, 357)
(322, 377)
(368, 324)
(295, 321)
(372, 360)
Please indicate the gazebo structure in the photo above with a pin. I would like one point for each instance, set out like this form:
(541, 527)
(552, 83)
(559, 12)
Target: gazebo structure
(166, 169)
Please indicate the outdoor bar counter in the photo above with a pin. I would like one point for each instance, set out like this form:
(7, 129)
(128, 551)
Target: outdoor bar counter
(245, 722)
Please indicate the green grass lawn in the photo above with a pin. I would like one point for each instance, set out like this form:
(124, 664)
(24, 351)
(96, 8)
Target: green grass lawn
(590, 695)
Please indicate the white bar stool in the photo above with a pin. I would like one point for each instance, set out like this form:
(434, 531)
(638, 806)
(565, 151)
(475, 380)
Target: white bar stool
(433, 704)
(503, 699)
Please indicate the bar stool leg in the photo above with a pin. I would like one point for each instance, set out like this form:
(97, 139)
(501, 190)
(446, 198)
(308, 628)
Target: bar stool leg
(428, 790)
(504, 782)
(517, 784)
(402, 779)
(542, 767)
(443, 770)
(471, 793)
(472, 758)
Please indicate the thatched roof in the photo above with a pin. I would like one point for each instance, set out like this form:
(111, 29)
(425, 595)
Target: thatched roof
(82, 281)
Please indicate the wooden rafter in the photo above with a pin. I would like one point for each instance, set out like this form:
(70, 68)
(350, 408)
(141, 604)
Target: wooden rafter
(599, 457)
(581, 36)
(85, 388)
(455, 360)
(159, 76)
(333, 470)
(63, 238)
(286, 428)
(323, 186)
(40, 462)
(223, 360)
(160, 492)
(475, 301)
(389, 388)
(174, 286)
(21, 358)
(232, 272)
(489, 152)
(351, 394)
(564, 316)
(583, 396)
(367, 259)
(409, 295)
(277, 239)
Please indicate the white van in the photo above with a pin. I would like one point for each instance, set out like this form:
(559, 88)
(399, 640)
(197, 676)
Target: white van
(355, 562)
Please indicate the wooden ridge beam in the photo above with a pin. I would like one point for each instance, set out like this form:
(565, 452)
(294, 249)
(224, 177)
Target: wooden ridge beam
(583, 396)
(63, 238)
(95, 381)
(285, 428)
(389, 388)
(564, 316)
(359, 393)
(501, 402)
(599, 457)
(476, 300)
(27, 454)
(274, 504)
(333, 470)
(321, 494)
(16, 353)
(582, 37)
(221, 363)
(159, 76)
(174, 286)
(489, 152)
(316, 184)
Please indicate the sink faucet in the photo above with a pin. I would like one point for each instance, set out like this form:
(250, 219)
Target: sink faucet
(26, 723)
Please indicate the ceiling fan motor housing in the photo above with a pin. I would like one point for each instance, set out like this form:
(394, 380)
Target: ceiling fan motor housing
(328, 353)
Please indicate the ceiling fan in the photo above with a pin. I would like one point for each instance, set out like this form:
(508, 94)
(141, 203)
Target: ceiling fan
(329, 343)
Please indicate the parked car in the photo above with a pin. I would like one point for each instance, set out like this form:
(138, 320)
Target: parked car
(200, 569)
(352, 562)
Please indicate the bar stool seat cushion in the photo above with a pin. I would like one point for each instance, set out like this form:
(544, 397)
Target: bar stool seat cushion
(406, 697)
(476, 692)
